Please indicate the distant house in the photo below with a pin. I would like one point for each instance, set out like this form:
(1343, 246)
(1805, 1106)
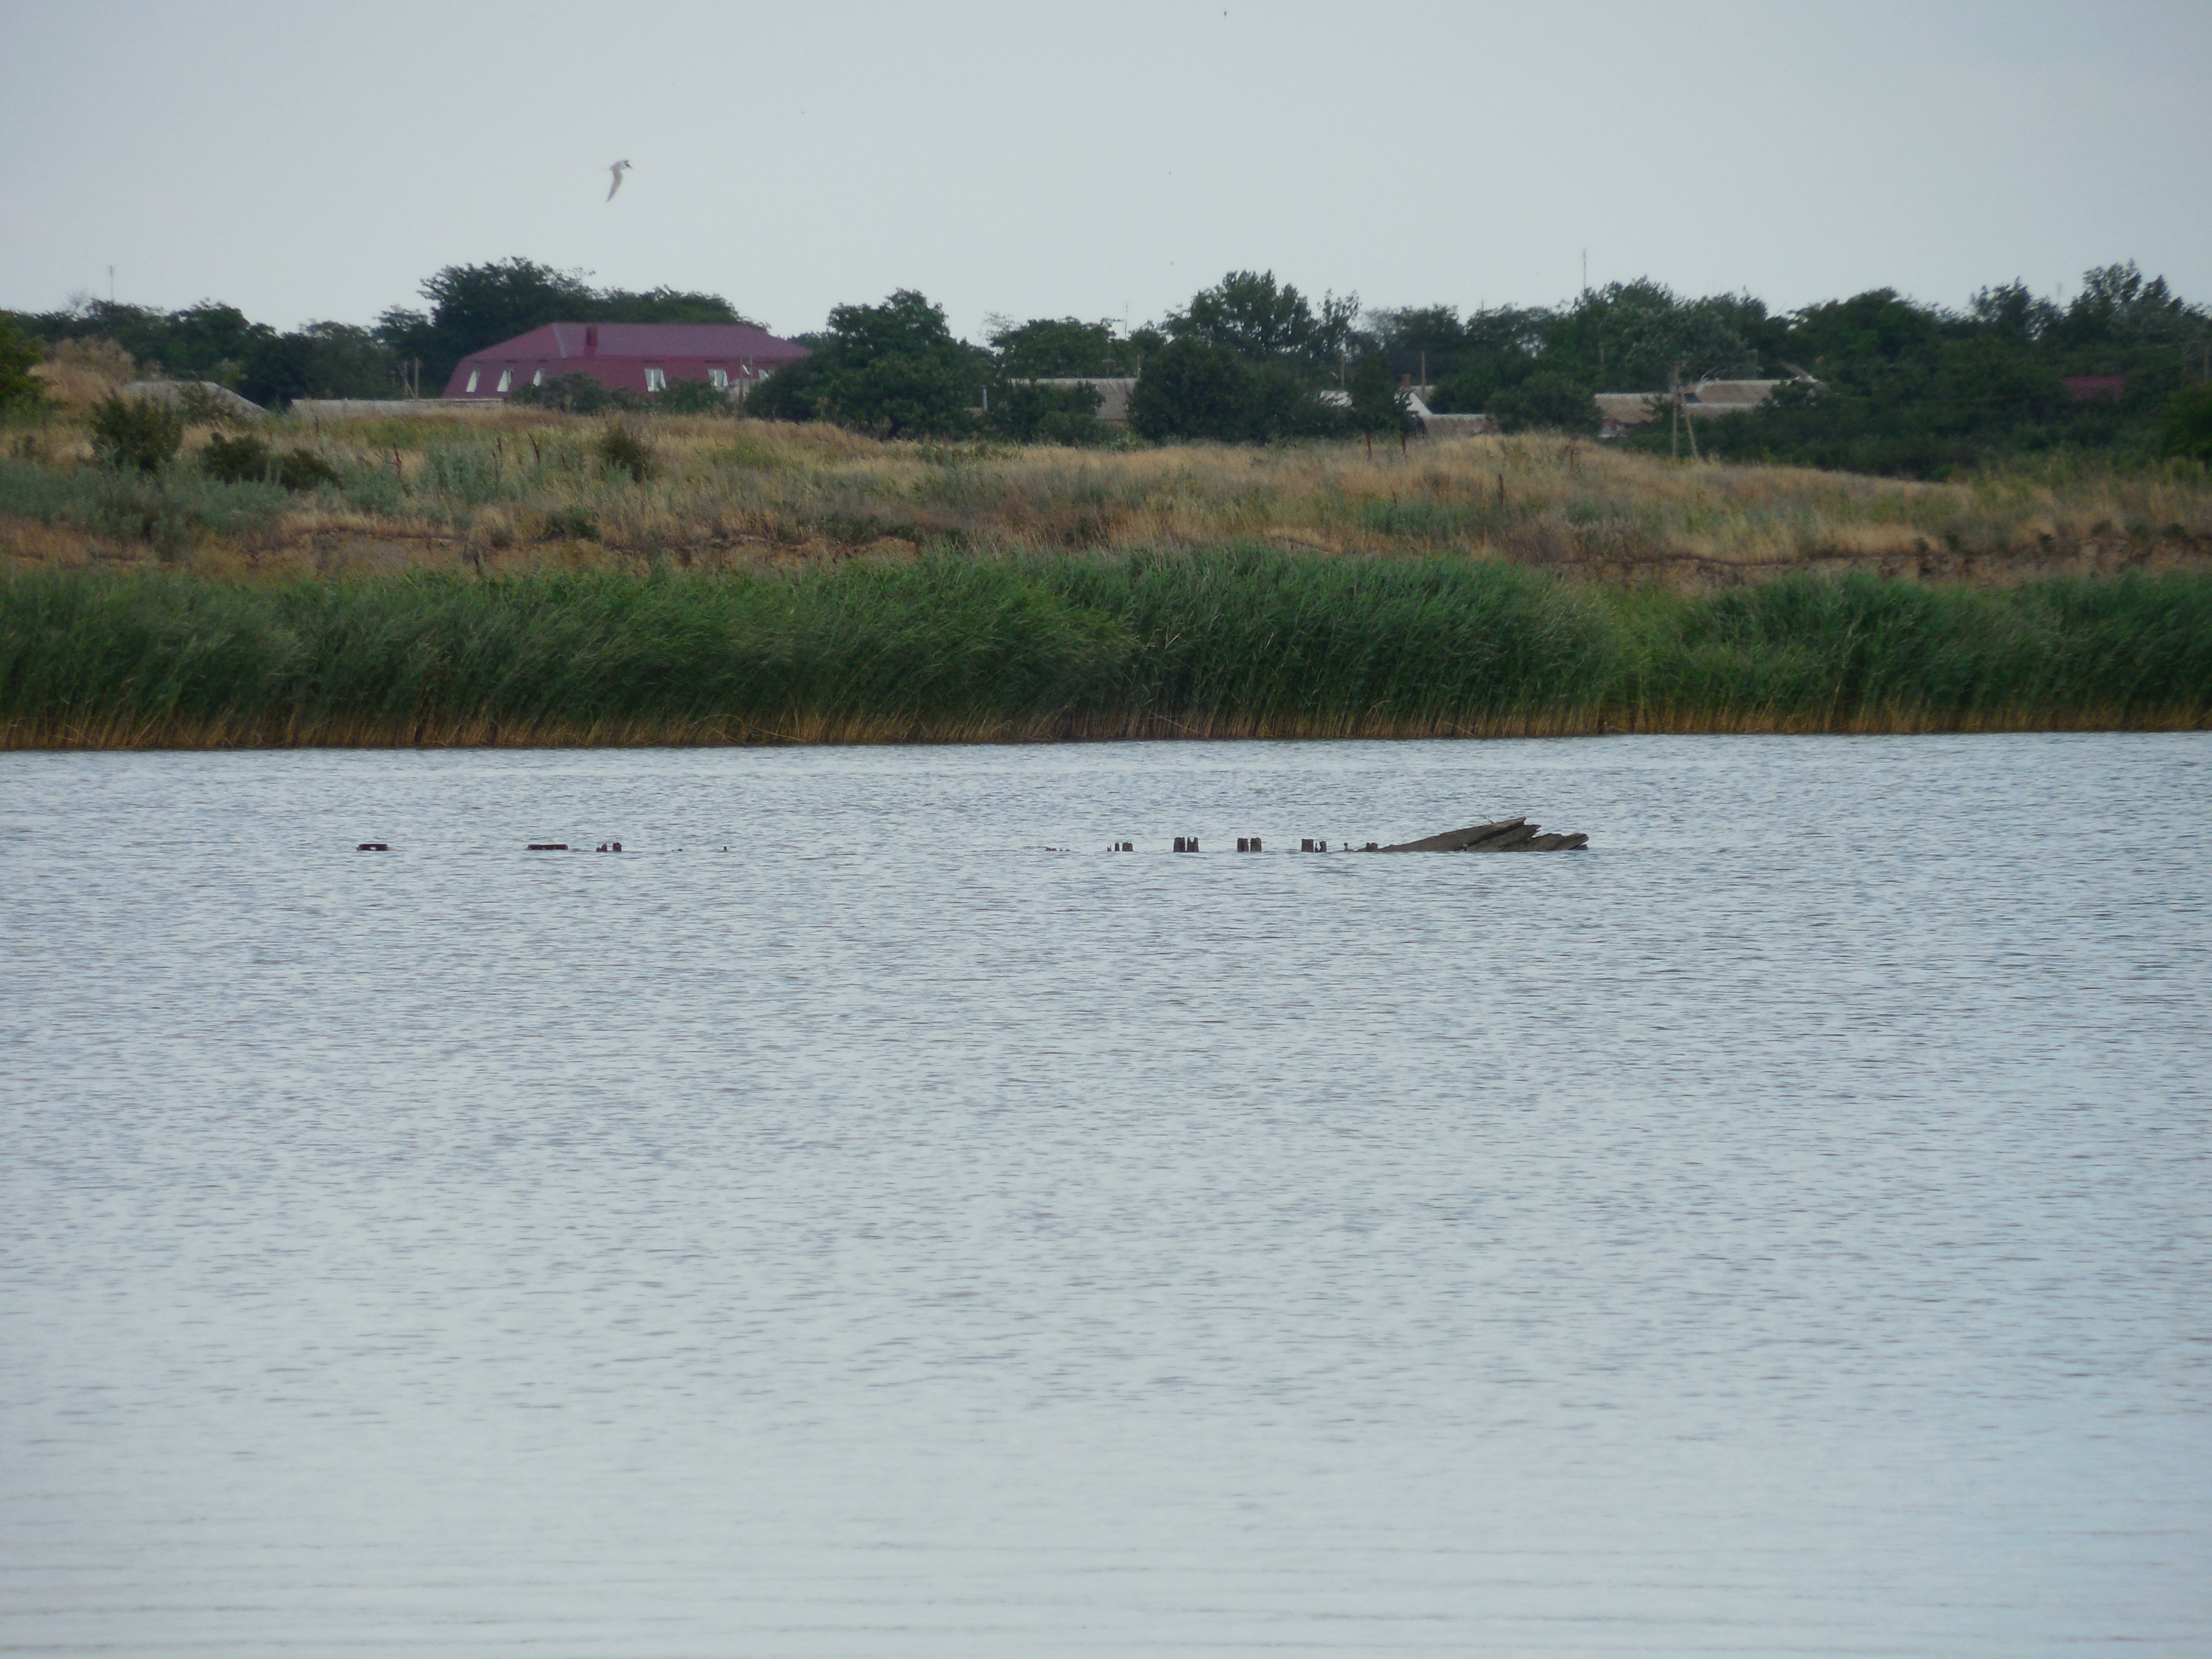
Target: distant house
(642, 357)
(1427, 422)
(2096, 388)
(1113, 393)
(205, 392)
(1624, 411)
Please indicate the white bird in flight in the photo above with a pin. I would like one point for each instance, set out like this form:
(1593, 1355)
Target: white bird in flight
(617, 169)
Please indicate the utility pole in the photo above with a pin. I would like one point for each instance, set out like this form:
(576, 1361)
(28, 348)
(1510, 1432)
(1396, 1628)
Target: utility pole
(1682, 420)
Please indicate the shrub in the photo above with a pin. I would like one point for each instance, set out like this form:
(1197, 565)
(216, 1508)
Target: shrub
(694, 398)
(137, 433)
(236, 460)
(302, 469)
(577, 393)
(170, 509)
(248, 460)
(794, 392)
(626, 450)
(568, 524)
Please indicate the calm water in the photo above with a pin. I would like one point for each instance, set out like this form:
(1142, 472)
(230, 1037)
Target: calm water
(1780, 1230)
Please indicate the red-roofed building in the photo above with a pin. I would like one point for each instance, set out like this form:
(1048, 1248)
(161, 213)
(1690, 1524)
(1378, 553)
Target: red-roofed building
(634, 356)
(2096, 388)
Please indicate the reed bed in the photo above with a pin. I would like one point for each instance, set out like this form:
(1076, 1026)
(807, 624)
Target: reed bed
(1240, 641)
(518, 491)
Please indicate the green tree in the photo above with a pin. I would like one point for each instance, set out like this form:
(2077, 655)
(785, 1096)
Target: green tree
(2012, 313)
(2116, 305)
(323, 360)
(661, 304)
(1191, 389)
(793, 392)
(1427, 341)
(2186, 429)
(893, 369)
(1878, 327)
(20, 390)
(472, 307)
(208, 341)
(1253, 317)
(1546, 402)
(1632, 336)
(1032, 413)
(1379, 404)
(1066, 348)
(1499, 348)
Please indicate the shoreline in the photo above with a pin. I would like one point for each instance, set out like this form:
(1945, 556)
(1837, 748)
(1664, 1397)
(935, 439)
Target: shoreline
(210, 737)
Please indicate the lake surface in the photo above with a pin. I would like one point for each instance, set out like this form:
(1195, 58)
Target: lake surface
(1781, 1228)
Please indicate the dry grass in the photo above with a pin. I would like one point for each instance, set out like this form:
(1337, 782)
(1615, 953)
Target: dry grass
(78, 373)
(520, 490)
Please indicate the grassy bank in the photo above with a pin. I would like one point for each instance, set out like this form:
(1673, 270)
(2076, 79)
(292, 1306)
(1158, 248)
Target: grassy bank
(519, 491)
(1244, 642)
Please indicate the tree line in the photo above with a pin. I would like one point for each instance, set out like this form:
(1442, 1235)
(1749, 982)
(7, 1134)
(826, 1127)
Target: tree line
(470, 307)
(1875, 383)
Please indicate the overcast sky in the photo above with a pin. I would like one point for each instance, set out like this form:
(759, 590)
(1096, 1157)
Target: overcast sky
(316, 161)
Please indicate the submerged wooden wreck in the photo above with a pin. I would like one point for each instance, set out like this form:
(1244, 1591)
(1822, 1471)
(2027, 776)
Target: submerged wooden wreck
(1506, 836)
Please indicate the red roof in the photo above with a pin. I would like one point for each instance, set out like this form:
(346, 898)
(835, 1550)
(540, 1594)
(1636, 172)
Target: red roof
(619, 353)
(2086, 388)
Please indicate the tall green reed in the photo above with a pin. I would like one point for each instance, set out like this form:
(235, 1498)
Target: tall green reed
(1238, 640)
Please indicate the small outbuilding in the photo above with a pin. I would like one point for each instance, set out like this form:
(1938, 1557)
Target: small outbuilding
(642, 357)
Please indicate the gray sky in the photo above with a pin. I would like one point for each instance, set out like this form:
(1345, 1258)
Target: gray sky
(315, 160)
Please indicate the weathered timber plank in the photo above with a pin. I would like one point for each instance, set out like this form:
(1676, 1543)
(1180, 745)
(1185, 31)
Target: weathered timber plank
(1458, 841)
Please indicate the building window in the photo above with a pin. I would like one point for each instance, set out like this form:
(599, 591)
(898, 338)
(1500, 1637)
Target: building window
(538, 379)
(656, 380)
(471, 385)
(721, 377)
(506, 380)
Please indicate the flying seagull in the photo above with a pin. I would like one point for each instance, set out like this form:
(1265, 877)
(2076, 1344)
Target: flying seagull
(617, 169)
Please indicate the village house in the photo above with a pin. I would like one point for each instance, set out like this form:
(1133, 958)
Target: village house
(1113, 393)
(1624, 411)
(642, 357)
